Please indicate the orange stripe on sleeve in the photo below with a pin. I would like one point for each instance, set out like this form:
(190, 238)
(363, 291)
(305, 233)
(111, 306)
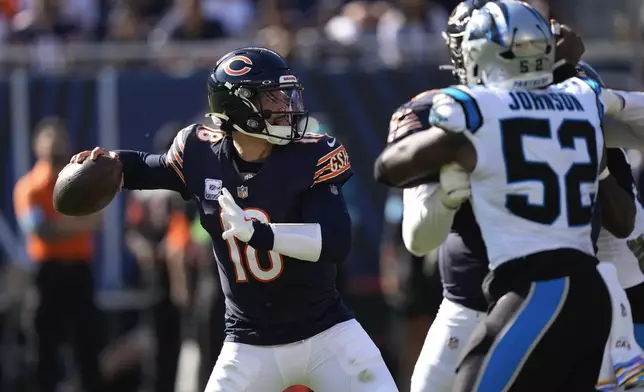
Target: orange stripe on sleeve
(177, 170)
(333, 164)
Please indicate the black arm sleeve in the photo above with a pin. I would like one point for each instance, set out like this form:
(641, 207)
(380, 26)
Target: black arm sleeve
(563, 72)
(324, 204)
(620, 169)
(142, 170)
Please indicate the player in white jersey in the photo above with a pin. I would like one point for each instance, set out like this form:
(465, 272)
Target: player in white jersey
(624, 253)
(439, 215)
(618, 251)
(534, 161)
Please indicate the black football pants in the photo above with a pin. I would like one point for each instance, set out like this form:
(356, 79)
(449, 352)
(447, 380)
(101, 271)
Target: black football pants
(546, 331)
(167, 332)
(209, 311)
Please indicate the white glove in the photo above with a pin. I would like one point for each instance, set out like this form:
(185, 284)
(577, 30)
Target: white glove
(455, 185)
(236, 222)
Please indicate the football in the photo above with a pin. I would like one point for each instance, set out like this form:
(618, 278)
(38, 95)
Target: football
(88, 187)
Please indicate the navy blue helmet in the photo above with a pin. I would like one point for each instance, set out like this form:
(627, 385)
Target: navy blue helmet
(455, 32)
(254, 91)
(584, 69)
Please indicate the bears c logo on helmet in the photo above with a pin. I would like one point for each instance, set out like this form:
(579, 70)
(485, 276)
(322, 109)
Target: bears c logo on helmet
(228, 66)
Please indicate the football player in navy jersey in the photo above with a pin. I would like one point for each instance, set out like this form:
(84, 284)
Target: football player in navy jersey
(270, 196)
(434, 216)
(441, 215)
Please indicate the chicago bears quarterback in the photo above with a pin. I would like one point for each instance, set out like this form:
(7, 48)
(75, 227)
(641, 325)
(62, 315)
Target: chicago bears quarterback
(500, 41)
(270, 197)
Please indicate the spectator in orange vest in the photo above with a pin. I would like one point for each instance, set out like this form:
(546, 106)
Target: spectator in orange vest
(158, 236)
(63, 247)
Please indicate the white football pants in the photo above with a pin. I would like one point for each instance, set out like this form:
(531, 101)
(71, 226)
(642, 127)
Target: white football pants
(451, 330)
(340, 359)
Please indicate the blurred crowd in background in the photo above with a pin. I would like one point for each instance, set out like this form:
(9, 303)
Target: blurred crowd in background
(161, 325)
(399, 28)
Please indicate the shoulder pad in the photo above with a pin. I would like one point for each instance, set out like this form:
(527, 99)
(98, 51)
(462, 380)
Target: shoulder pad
(592, 83)
(209, 134)
(578, 84)
(175, 154)
(192, 133)
(582, 84)
(411, 117)
(455, 110)
(332, 163)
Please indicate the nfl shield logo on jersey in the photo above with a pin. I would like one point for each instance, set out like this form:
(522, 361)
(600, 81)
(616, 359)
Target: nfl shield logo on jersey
(212, 189)
(453, 342)
(242, 192)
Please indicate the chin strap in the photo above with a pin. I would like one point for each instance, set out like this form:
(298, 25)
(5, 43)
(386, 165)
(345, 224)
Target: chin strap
(273, 140)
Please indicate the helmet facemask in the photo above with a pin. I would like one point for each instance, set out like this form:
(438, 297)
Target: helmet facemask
(270, 111)
(454, 34)
(517, 56)
(454, 42)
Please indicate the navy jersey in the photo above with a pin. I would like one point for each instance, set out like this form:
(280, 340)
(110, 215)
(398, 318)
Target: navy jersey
(462, 258)
(270, 298)
(620, 169)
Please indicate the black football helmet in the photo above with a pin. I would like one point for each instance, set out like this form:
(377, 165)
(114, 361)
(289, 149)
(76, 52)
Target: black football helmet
(254, 91)
(584, 69)
(454, 33)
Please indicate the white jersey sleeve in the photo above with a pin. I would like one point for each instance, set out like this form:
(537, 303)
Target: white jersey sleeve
(449, 113)
(426, 221)
(612, 101)
(625, 128)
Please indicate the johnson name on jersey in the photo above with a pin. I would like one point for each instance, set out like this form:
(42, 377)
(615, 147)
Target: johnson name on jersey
(271, 298)
(538, 155)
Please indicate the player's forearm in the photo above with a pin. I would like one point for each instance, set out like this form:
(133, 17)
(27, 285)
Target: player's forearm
(618, 133)
(302, 241)
(420, 155)
(324, 235)
(625, 105)
(396, 169)
(426, 224)
(627, 108)
(142, 170)
(397, 165)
